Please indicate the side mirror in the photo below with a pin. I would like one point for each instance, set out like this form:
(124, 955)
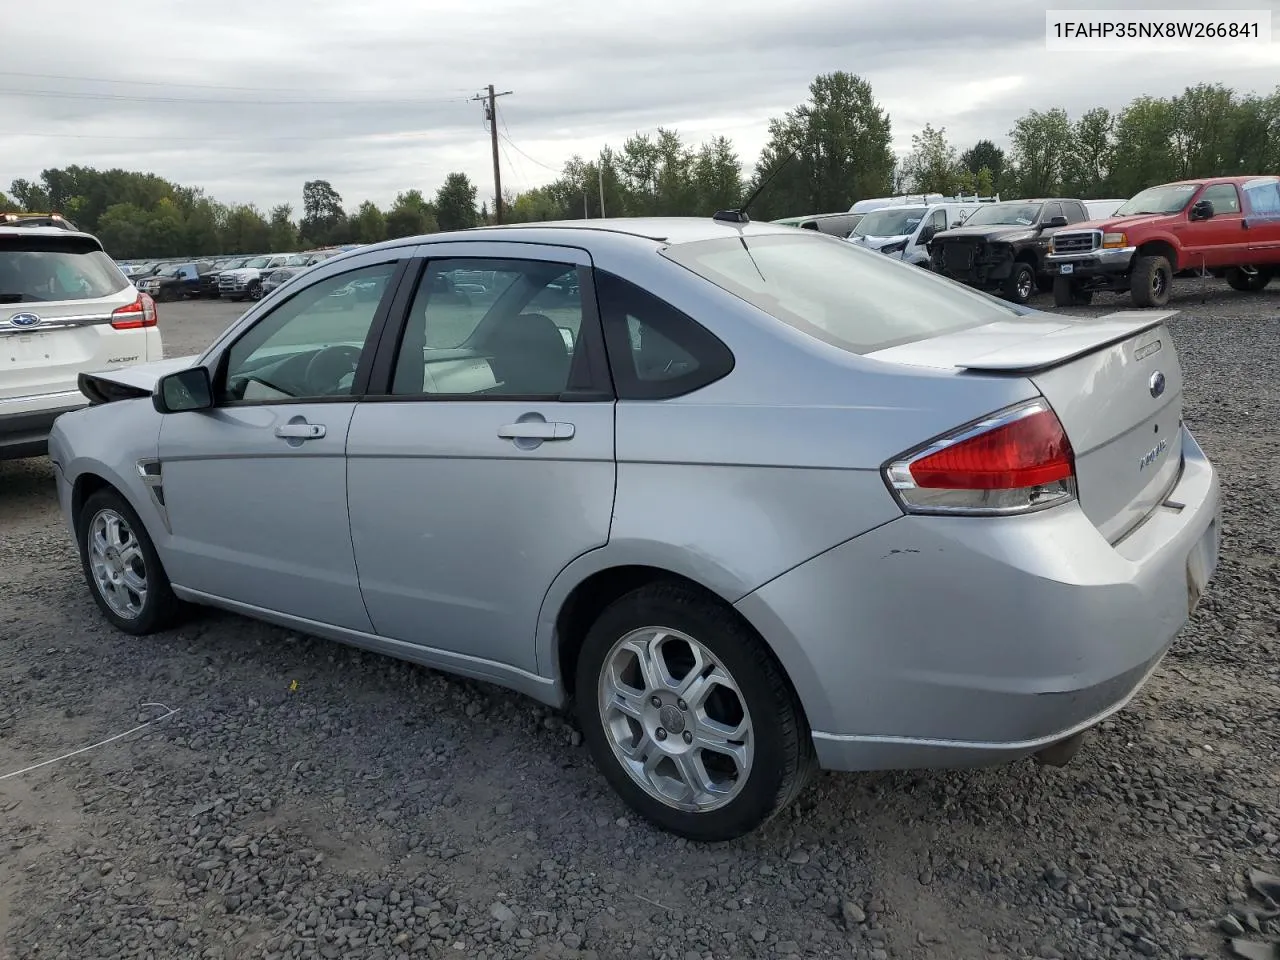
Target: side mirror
(1202, 210)
(183, 391)
(1053, 223)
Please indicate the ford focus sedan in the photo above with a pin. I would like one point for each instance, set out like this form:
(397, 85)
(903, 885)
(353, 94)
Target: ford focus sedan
(750, 500)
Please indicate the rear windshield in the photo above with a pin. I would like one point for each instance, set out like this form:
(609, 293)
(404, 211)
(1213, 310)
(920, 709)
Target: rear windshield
(855, 299)
(46, 269)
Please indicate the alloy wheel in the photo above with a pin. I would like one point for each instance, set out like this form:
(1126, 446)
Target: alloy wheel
(117, 563)
(676, 719)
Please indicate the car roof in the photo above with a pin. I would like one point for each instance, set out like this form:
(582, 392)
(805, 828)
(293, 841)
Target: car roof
(7, 231)
(661, 230)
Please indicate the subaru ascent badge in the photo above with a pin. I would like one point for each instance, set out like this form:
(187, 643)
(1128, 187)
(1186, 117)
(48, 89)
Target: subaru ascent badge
(24, 320)
(1157, 383)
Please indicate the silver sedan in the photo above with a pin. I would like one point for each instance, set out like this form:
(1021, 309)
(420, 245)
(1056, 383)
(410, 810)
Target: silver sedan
(749, 499)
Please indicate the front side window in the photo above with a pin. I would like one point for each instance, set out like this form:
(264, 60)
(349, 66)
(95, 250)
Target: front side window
(1224, 198)
(838, 292)
(309, 346)
(482, 327)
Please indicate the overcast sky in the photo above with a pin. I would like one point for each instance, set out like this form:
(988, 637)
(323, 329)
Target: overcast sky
(249, 98)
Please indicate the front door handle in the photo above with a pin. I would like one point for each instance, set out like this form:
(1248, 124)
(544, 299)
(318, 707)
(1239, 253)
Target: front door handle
(300, 431)
(536, 430)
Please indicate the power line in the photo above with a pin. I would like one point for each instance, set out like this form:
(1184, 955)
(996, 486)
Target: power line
(228, 138)
(512, 145)
(68, 95)
(169, 83)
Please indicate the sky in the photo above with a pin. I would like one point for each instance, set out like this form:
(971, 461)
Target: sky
(250, 98)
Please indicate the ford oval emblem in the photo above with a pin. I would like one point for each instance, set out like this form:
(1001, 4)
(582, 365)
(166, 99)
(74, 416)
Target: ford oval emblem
(1157, 383)
(24, 320)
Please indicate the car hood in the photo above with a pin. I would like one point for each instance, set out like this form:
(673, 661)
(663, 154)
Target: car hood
(135, 381)
(1127, 223)
(1001, 233)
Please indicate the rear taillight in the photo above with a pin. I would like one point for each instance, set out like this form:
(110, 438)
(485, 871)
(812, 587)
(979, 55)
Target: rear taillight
(140, 313)
(1014, 461)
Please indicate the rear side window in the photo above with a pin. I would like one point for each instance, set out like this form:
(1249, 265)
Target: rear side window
(855, 299)
(656, 351)
(36, 269)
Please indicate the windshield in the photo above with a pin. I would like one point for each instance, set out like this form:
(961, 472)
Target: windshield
(44, 269)
(894, 222)
(299, 260)
(1012, 214)
(838, 292)
(258, 262)
(1166, 199)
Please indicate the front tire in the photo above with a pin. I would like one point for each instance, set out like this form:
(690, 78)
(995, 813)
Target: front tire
(255, 291)
(689, 716)
(1020, 284)
(1151, 282)
(1237, 279)
(122, 567)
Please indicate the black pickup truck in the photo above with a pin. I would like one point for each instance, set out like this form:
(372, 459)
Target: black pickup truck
(1002, 246)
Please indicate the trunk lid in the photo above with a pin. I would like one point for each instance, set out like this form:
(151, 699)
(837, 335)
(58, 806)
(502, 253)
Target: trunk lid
(1115, 383)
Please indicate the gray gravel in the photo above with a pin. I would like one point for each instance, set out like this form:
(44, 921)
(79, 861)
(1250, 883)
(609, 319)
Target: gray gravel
(313, 801)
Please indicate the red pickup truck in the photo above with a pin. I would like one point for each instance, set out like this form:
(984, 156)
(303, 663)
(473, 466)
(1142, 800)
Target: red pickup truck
(1225, 226)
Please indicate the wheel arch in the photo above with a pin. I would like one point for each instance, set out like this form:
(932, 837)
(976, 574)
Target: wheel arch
(578, 598)
(1160, 247)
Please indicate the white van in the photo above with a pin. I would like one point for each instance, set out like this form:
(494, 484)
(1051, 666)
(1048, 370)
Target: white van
(905, 231)
(1102, 209)
(915, 199)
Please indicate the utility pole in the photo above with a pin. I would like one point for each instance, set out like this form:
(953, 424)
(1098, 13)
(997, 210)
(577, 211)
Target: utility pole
(491, 114)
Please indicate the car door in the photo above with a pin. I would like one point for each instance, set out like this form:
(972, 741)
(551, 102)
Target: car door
(1221, 240)
(1262, 207)
(255, 488)
(488, 465)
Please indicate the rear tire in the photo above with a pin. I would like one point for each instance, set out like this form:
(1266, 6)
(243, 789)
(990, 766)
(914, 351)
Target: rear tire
(645, 652)
(1020, 284)
(122, 568)
(1237, 279)
(1151, 282)
(1067, 293)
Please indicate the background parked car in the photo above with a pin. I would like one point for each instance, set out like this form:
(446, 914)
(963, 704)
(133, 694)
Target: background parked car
(1226, 226)
(835, 224)
(915, 226)
(246, 281)
(1099, 209)
(177, 281)
(1003, 246)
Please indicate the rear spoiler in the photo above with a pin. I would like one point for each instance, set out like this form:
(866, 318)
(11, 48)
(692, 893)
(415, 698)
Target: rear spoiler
(1071, 341)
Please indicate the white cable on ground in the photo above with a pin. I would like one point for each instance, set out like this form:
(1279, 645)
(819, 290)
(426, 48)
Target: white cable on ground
(94, 746)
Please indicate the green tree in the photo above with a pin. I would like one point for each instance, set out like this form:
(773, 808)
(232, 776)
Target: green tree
(717, 177)
(1142, 156)
(323, 218)
(1086, 169)
(932, 166)
(247, 231)
(456, 203)
(282, 232)
(1203, 130)
(1255, 134)
(533, 206)
(410, 215)
(7, 205)
(29, 196)
(838, 143)
(1039, 145)
(202, 227)
(986, 154)
(369, 225)
(122, 230)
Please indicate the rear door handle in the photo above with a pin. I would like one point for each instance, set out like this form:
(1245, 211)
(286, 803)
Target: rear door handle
(536, 430)
(300, 431)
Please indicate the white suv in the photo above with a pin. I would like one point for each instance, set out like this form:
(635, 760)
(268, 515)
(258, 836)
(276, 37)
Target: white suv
(65, 309)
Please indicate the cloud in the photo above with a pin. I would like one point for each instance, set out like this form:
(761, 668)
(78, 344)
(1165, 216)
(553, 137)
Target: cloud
(249, 99)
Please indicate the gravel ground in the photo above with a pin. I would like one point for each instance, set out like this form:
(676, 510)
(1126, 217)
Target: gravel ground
(310, 800)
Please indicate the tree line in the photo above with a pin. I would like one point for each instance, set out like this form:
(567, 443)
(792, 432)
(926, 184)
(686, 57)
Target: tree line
(829, 151)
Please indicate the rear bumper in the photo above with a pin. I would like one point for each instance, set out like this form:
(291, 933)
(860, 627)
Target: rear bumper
(954, 642)
(25, 432)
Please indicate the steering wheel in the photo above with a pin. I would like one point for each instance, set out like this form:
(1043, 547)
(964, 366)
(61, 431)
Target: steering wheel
(326, 369)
